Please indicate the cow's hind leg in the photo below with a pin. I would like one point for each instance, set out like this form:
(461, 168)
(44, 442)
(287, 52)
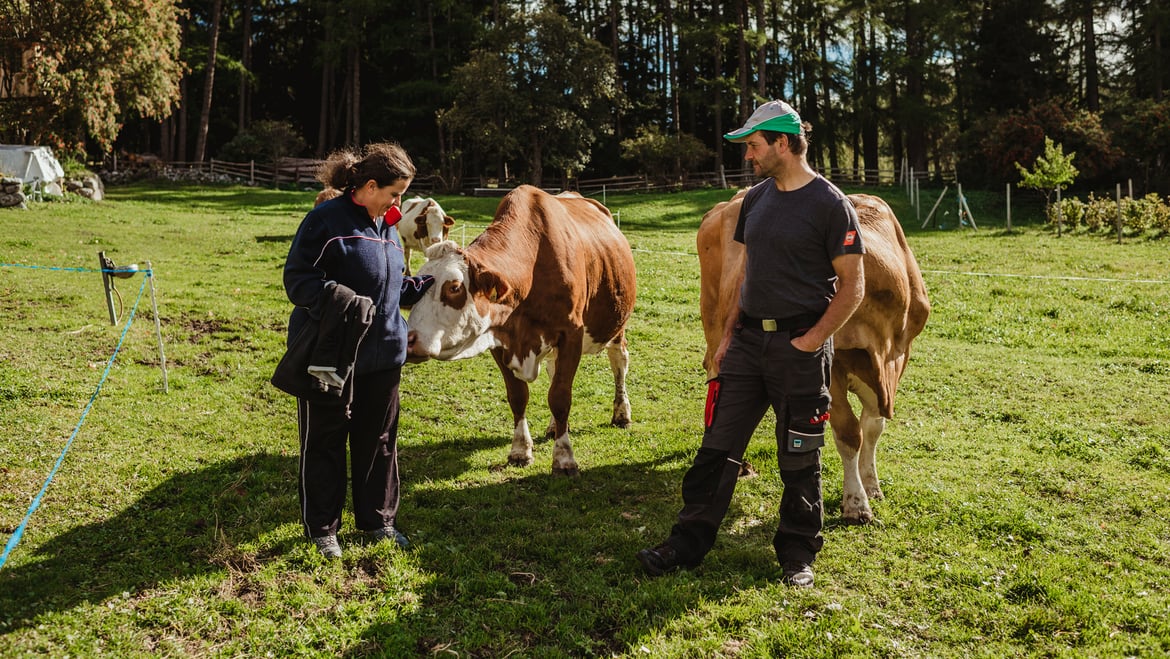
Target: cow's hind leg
(619, 363)
(521, 452)
(848, 438)
(872, 426)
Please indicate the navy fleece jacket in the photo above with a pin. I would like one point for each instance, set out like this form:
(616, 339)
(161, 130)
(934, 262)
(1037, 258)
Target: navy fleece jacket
(337, 241)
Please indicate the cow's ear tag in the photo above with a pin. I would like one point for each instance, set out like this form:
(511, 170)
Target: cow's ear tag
(494, 296)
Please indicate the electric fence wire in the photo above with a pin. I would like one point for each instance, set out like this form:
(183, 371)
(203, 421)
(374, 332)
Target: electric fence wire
(36, 502)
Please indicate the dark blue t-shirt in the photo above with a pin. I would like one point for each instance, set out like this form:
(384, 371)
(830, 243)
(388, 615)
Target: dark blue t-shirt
(791, 240)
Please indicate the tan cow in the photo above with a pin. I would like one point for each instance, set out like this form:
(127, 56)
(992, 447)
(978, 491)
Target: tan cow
(871, 350)
(550, 278)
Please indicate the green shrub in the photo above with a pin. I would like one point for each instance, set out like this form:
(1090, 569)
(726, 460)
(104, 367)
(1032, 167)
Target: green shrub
(1072, 212)
(264, 141)
(1100, 214)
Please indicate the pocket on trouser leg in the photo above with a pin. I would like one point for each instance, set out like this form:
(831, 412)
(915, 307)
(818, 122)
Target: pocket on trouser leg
(805, 430)
(701, 481)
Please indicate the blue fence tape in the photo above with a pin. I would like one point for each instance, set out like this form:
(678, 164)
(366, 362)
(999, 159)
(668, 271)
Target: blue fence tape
(36, 502)
(111, 271)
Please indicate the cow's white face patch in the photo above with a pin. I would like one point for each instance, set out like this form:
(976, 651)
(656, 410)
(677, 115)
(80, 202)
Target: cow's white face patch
(446, 324)
(434, 223)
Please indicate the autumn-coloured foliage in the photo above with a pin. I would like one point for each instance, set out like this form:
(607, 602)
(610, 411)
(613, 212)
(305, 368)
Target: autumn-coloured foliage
(100, 63)
(1018, 137)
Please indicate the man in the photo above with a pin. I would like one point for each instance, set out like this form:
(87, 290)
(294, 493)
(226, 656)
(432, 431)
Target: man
(803, 279)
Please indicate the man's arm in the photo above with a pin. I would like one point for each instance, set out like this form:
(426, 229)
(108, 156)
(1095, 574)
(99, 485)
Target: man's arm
(850, 289)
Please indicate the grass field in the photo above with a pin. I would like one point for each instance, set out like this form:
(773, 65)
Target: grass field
(1027, 470)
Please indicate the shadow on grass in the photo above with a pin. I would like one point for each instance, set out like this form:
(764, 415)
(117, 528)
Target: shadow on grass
(529, 564)
(538, 565)
(168, 533)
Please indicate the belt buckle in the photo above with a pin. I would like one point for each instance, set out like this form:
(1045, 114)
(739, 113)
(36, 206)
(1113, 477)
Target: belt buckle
(768, 324)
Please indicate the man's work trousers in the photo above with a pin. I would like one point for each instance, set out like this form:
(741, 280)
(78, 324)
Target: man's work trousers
(372, 433)
(761, 369)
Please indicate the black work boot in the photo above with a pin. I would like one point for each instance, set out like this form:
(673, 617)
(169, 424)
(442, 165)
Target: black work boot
(661, 559)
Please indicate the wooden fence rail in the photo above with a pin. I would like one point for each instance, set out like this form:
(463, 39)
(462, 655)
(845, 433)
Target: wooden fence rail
(303, 172)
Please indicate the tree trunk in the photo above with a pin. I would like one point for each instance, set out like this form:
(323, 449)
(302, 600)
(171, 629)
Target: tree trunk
(614, 16)
(184, 102)
(828, 123)
(671, 65)
(869, 109)
(355, 99)
(745, 91)
(245, 109)
(716, 93)
(209, 83)
(761, 54)
(913, 116)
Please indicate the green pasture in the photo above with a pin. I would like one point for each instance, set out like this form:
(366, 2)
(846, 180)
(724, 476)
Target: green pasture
(1027, 469)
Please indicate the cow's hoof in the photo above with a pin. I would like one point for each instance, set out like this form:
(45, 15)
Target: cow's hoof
(620, 423)
(514, 461)
(571, 472)
(860, 519)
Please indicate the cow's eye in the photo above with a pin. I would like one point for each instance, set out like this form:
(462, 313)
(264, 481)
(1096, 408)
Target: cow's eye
(455, 287)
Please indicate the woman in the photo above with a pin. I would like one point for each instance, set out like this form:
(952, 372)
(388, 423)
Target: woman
(350, 244)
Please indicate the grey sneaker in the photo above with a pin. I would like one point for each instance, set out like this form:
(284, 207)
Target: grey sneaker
(327, 545)
(798, 574)
(389, 533)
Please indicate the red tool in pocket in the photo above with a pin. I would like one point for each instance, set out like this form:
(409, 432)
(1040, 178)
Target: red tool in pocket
(712, 401)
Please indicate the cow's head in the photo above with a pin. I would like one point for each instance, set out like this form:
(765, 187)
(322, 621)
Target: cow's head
(430, 224)
(453, 320)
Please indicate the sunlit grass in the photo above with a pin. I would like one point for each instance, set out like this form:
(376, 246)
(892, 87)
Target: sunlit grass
(1026, 470)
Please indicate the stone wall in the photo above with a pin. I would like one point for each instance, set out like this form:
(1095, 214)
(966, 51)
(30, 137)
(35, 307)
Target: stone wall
(11, 195)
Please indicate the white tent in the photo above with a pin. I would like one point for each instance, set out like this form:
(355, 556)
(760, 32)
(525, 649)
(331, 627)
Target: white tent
(30, 163)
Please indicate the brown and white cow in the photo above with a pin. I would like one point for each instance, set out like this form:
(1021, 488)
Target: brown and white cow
(550, 278)
(423, 224)
(871, 350)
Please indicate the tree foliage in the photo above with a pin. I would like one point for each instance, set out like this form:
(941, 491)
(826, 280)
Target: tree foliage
(523, 89)
(539, 89)
(1053, 170)
(664, 156)
(100, 63)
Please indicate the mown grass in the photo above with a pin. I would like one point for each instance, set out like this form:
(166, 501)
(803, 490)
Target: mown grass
(1027, 471)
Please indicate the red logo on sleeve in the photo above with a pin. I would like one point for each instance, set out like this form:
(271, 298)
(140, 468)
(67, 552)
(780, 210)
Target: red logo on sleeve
(850, 236)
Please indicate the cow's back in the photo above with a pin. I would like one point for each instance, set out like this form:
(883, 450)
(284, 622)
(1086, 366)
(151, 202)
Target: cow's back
(565, 257)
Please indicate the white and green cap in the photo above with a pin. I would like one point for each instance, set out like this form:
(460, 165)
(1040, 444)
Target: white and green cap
(773, 115)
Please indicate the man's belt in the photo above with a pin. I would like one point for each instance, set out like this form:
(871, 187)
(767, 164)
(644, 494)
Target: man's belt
(779, 324)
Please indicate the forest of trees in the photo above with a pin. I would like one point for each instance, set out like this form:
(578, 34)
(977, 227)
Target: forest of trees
(537, 91)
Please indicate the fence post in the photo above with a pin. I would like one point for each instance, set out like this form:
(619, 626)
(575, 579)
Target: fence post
(936, 203)
(1118, 213)
(1059, 213)
(1009, 206)
(251, 172)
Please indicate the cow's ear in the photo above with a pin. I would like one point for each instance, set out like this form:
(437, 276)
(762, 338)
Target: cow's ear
(448, 221)
(439, 250)
(490, 285)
